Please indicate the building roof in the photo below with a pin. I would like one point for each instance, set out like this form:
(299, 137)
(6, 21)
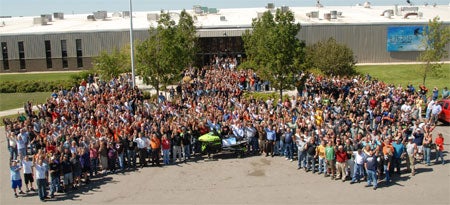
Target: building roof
(235, 19)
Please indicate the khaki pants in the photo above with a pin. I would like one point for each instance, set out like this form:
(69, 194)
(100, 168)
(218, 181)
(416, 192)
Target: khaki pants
(410, 163)
(341, 170)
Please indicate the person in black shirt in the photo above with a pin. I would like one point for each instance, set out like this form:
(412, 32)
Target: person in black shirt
(131, 146)
(310, 153)
(55, 170)
(66, 167)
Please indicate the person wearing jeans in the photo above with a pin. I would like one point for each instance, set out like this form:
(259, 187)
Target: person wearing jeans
(358, 168)
(427, 147)
(41, 170)
(370, 163)
(55, 170)
(165, 144)
(301, 153)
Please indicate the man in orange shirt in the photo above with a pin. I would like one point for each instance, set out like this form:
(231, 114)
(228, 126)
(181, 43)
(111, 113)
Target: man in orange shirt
(439, 148)
(387, 146)
(155, 143)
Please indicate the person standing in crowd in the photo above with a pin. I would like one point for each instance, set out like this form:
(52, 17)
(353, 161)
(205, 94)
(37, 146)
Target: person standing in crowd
(142, 144)
(67, 170)
(288, 144)
(320, 154)
(16, 180)
(411, 150)
(399, 151)
(176, 143)
(41, 178)
(28, 173)
(93, 156)
(186, 144)
(165, 144)
(270, 140)
(341, 161)
(76, 170)
(358, 171)
(311, 155)
(131, 152)
(250, 133)
(440, 148)
(301, 153)
(387, 158)
(445, 93)
(427, 141)
(155, 143)
(112, 158)
(330, 156)
(85, 161)
(54, 172)
(121, 153)
(436, 110)
(103, 156)
(370, 164)
(418, 140)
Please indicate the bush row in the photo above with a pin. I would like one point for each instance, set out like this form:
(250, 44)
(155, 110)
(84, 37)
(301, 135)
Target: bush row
(34, 86)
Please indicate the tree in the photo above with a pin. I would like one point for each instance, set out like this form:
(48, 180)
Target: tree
(331, 58)
(111, 65)
(169, 49)
(436, 36)
(274, 49)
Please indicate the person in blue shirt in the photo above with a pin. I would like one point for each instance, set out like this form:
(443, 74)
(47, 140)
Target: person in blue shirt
(16, 180)
(399, 149)
(270, 140)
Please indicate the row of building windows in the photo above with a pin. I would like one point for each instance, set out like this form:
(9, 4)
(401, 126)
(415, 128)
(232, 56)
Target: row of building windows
(48, 54)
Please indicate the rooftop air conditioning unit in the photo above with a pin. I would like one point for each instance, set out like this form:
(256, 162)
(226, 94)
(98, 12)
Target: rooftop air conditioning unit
(40, 20)
(333, 14)
(270, 6)
(125, 14)
(284, 9)
(47, 16)
(222, 18)
(314, 14)
(197, 9)
(91, 18)
(152, 17)
(117, 14)
(100, 15)
(58, 15)
(367, 5)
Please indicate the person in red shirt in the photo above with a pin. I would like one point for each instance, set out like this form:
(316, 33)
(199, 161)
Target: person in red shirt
(439, 148)
(166, 149)
(341, 162)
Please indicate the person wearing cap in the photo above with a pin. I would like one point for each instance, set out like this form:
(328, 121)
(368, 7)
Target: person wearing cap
(411, 150)
(439, 148)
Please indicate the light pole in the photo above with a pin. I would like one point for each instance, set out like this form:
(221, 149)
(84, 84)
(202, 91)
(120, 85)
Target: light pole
(131, 44)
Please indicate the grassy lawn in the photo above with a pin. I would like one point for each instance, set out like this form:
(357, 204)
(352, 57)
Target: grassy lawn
(16, 100)
(404, 74)
(36, 76)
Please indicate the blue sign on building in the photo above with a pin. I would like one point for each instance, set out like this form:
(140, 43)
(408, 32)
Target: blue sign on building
(405, 38)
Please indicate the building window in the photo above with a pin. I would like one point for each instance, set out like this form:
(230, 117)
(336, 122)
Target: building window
(5, 56)
(65, 63)
(21, 55)
(48, 54)
(79, 53)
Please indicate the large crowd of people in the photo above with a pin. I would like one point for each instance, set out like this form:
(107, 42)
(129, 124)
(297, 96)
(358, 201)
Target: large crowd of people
(345, 128)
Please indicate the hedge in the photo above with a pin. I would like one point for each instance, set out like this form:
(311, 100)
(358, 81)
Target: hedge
(34, 86)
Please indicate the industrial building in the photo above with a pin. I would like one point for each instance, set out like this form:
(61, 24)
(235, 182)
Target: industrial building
(57, 41)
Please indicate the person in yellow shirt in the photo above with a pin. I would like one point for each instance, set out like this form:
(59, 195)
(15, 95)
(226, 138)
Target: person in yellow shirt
(320, 152)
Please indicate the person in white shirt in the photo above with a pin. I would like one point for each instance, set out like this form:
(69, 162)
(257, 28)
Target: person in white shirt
(28, 173)
(358, 171)
(41, 173)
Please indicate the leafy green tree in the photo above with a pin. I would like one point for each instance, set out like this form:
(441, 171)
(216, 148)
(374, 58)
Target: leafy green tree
(272, 46)
(331, 58)
(169, 49)
(436, 36)
(111, 65)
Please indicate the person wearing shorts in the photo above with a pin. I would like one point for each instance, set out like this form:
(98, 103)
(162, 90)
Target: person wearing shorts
(66, 166)
(16, 181)
(28, 174)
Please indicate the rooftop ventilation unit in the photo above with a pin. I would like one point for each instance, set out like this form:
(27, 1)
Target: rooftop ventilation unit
(125, 14)
(212, 10)
(152, 17)
(58, 15)
(367, 5)
(91, 18)
(333, 14)
(43, 20)
(327, 16)
(270, 6)
(117, 14)
(222, 18)
(314, 14)
(48, 17)
(100, 15)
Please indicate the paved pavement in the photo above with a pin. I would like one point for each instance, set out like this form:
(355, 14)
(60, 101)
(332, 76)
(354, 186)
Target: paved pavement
(251, 180)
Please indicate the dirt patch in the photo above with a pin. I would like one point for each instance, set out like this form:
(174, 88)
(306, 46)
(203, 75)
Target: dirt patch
(257, 173)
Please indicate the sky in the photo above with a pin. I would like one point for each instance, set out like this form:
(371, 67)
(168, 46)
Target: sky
(37, 7)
